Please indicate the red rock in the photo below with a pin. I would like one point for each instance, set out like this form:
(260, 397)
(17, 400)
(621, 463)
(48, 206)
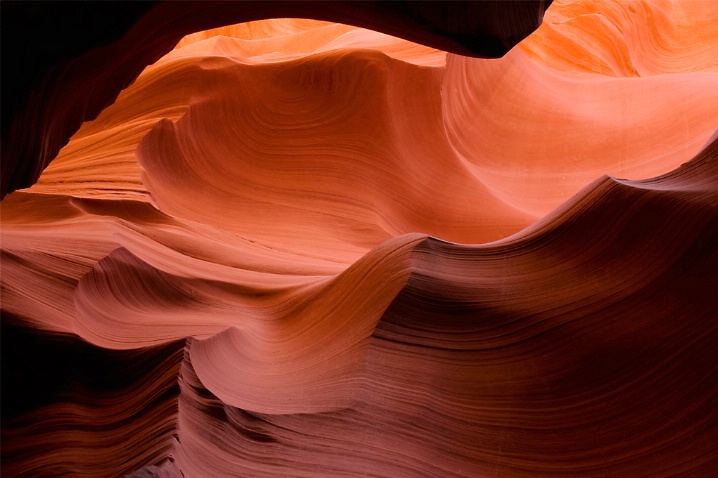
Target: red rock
(361, 256)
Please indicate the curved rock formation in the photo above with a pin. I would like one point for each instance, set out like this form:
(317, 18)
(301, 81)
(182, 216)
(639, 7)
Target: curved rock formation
(103, 46)
(555, 351)
(300, 248)
(73, 409)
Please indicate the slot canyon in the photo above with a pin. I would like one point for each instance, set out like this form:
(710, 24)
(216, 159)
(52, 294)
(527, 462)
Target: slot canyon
(359, 239)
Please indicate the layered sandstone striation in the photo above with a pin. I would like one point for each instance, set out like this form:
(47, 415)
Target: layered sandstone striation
(294, 247)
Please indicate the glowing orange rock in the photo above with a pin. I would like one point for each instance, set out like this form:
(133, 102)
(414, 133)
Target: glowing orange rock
(360, 256)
